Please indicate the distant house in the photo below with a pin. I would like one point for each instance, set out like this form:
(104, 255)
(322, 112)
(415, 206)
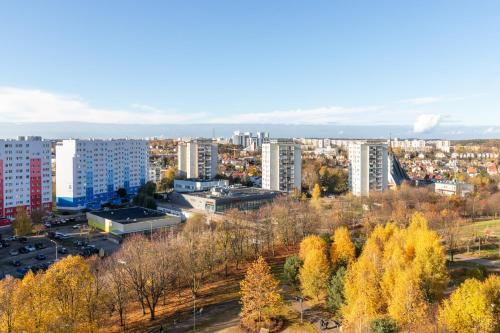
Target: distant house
(492, 169)
(471, 171)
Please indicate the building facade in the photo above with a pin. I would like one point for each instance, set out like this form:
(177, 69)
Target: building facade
(197, 158)
(453, 188)
(281, 165)
(89, 172)
(368, 168)
(25, 175)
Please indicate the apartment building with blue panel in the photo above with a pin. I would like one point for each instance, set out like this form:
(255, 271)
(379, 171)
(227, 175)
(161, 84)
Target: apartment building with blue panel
(89, 172)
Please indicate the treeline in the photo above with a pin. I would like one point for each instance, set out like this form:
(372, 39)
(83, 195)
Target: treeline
(75, 295)
(397, 282)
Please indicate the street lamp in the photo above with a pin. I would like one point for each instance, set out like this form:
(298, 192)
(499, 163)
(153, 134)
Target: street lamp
(53, 241)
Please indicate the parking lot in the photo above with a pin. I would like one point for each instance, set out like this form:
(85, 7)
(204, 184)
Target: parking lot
(38, 252)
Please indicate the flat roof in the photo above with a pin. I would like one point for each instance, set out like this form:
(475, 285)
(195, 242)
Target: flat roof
(129, 215)
(235, 193)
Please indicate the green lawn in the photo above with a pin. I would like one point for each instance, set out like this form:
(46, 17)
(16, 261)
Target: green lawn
(479, 228)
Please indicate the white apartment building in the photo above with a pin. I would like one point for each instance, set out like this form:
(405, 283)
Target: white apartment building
(368, 168)
(281, 165)
(197, 158)
(89, 172)
(453, 188)
(25, 175)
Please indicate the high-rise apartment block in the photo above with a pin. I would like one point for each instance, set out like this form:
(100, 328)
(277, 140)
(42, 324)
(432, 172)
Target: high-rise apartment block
(89, 172)
(281, 165)
(368, 168)
(25, 175)
(197, 158)
(249, 141)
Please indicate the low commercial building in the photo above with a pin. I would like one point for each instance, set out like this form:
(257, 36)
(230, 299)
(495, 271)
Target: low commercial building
(220, 199)
(124, 221)
(453, 188)
(197, 185)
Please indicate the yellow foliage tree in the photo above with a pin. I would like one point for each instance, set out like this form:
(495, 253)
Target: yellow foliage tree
(342, 251)
(314, 274)
(22, 222)
(309, 243)
(407, 305)
(8, 313)
(316, 192)
(260, 296)
(363, 299)
(424, 249)
(469, 309)
(70, 285)
(34, 306)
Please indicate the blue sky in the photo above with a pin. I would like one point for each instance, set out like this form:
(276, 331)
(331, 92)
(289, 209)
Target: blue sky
(421, 63)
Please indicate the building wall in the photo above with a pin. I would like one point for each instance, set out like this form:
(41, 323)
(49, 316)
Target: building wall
(281, 165)
(198, 158)
(25, 175)
(368, 168)
(89, 172)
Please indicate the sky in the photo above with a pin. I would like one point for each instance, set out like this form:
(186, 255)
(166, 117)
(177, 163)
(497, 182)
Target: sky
(429, 66)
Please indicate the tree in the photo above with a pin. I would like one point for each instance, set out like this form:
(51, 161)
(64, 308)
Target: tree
(384, 325)
(167, 181)
(8, 289)
(468, 309)
(335, 292)
(342, 250)
(260, 297)
(310, 243)
(291, 270)
(22, 222)
(314, 274)
(407, 305)
(316, 193)
(121, 192)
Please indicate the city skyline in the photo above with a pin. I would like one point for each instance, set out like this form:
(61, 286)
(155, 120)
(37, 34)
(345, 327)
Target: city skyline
(430, 68)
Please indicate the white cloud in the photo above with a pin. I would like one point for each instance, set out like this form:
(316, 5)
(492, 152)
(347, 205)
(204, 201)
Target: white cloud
(424, 100)
(316, 116)
(491, 130)
(426, 122)
(30, 105)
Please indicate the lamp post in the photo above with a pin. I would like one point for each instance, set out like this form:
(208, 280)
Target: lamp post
(53, 241)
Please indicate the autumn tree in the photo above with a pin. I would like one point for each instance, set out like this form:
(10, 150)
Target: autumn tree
(22, 222)
(342, 250)
(310, 243)
(407, 304)
(316, 192)
(260, 297)
(469, 309)
(167, 181)
(314, 274)
(8, 288)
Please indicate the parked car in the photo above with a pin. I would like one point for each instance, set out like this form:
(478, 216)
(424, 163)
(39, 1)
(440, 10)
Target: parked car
(15, 263)
(41, 257)
(77, 226)
(13, 252)
(30, 247)
(23, 239)
(4, 243)
(62, 250)
(47, 224)
(44, 265)
(23, 250)
(11, 238)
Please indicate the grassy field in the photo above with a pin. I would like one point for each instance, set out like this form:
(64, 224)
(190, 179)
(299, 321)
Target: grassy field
(479, 228)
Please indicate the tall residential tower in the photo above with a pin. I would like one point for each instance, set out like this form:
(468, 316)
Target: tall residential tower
(25, 175)
(368, 168)
(89, 172)
(197, 158)
(281, 165)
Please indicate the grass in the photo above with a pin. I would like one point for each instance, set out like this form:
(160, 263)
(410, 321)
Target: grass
(479, 228)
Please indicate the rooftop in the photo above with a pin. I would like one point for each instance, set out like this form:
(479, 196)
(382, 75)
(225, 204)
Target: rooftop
(238, 192)
(129, 215)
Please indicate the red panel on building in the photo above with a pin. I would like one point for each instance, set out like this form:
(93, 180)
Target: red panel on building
(1, 190)
(35, 184)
